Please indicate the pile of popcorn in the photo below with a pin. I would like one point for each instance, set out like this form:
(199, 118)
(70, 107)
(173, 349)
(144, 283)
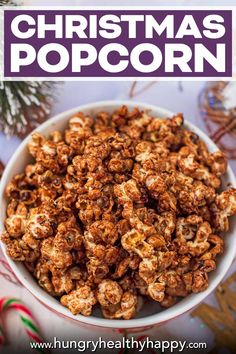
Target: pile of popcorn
(117, 209)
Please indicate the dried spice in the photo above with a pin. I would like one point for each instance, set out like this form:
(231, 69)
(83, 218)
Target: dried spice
(220, 121)
(1, 168)
(221, 320)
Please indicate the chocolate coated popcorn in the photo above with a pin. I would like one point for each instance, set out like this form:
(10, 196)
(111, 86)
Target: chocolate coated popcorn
(119, 208)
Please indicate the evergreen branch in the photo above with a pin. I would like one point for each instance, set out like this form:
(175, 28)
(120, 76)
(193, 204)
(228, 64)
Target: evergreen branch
(5, 2)
(24, 105)
(10, 2)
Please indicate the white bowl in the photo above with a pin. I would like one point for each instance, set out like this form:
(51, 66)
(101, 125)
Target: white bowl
(151, 314)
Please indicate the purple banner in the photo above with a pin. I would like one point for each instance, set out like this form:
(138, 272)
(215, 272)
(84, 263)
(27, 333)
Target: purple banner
(116, 43)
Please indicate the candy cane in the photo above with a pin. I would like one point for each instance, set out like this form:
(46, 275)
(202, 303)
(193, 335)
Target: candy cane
(27, 319)
(2, 338)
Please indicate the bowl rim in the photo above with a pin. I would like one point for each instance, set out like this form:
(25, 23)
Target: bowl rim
(150, 320)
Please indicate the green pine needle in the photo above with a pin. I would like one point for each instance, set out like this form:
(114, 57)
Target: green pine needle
(23, 105)
(5, 2)
(10, 2)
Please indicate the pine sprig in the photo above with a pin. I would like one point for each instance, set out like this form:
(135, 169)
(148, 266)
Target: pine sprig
(6, 2)
(24, 105)
(10, 2)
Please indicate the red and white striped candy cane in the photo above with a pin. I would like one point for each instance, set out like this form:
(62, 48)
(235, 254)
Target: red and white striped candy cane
(27, 319)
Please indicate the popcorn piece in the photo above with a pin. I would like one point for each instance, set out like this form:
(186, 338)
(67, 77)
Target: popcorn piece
(80, 121)
(165, 224)
(16, 222)
(61, 281)
(18, 250)
(189, 166)
(31, 241)
(225, 206)
(200, 243)
(68, 236)
(59, 258)
(156, 291)
(155, 184)
(104, 231)
(35, 144)
(127, 192)
(148, 269)
(42, 273)
(126, 309)
(15, 225)
(80, 301)
(109, 293)
(39, 223)
(134, 241)
(122, 267)
(168, 301)
(192, 235)
(217, 163)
